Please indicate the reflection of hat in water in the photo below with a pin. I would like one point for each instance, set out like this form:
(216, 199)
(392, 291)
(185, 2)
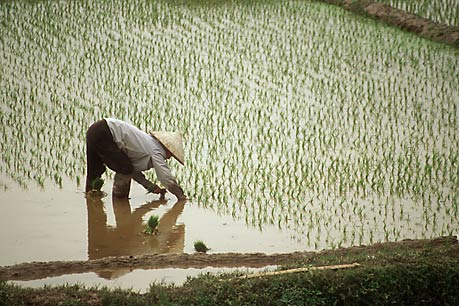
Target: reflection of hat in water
(173, 142)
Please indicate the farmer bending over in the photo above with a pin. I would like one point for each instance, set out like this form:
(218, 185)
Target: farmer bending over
(127, 150)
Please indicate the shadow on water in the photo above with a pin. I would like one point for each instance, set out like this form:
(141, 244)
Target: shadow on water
(128, 238)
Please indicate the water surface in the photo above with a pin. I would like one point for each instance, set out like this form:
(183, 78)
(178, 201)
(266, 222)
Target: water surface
(305, 127)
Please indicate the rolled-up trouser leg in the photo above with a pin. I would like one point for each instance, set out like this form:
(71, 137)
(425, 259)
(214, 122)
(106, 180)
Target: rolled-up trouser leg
(121, 186)
(101, 151)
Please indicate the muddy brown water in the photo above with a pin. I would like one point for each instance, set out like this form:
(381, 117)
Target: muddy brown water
(323, 190)
(137, 280)
(191, 264)
(53, 224)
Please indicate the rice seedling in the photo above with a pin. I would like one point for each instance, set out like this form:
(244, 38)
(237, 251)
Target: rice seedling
(97, 183)
(200, 247)
(282, 113)
(151, 226)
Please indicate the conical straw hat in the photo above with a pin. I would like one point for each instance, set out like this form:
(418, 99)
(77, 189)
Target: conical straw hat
(173, 142)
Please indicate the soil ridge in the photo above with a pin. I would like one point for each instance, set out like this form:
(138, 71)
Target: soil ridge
(38, 270)
(387, 14)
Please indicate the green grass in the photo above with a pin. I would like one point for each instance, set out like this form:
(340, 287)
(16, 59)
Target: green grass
(427, 283)
(406, 275)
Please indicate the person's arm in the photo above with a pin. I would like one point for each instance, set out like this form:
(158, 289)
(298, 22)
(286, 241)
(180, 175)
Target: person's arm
(166, 177)
(140, 178)
(177, 191)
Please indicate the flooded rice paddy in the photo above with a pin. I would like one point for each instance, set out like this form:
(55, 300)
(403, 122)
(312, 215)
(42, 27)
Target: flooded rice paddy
(441, 11)
(305, 127)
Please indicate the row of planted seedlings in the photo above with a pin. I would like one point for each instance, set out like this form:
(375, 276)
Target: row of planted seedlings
(50, 73)
(310, 131)
(399, 183)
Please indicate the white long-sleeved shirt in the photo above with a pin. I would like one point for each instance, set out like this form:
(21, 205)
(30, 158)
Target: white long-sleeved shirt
(144, 151)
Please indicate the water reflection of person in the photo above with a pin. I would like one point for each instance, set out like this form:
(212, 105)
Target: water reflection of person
(127, 238)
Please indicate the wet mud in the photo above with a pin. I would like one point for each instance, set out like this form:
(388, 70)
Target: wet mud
(38, 270)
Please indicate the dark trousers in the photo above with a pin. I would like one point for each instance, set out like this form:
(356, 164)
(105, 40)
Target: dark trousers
(102, 151)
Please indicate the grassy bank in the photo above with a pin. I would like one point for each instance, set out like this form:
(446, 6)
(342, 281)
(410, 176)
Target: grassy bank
(402, 274)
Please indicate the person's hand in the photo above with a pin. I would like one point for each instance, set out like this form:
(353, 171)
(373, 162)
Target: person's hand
(182, 198)
(153, 188)
(162, 191)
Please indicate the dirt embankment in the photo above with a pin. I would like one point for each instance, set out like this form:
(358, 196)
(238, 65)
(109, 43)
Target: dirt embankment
(37, 270)
(420, 26)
